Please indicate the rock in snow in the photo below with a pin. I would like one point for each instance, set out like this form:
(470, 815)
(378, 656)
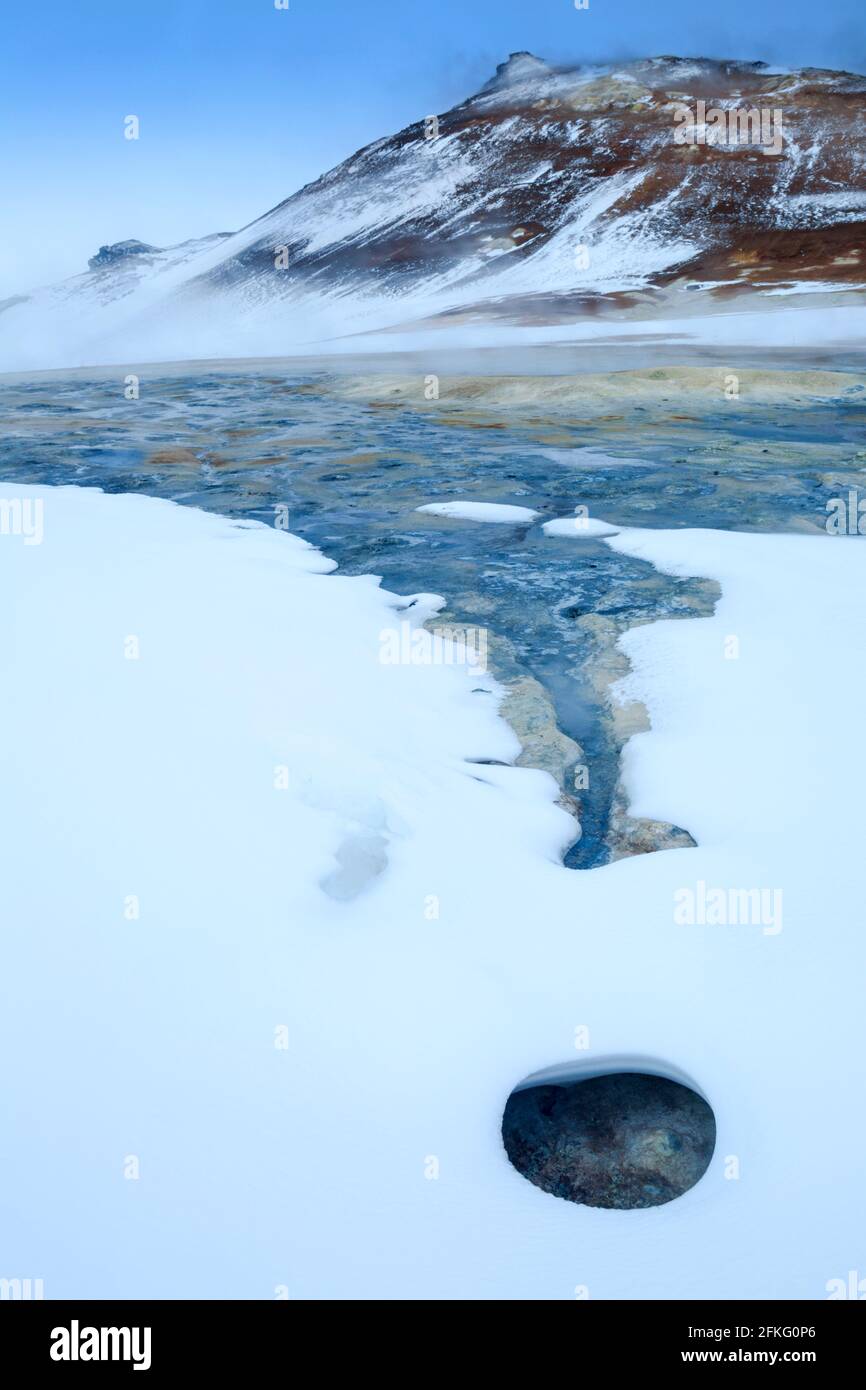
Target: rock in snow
(252, 1083)
(535, 201)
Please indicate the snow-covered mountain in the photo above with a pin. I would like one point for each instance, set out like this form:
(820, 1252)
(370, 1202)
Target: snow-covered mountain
(550, 195)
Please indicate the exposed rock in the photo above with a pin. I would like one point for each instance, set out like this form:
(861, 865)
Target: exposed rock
(531, 713)
(624, 1140)
(520, 67)
(478, 211)
(119, 251)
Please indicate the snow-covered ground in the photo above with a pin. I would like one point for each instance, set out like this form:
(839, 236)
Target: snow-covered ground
(224, 1079)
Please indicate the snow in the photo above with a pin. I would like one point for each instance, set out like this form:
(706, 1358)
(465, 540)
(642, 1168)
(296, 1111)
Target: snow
(579, 527)
(788, 328)
(465, 962)
(425, 175)
(479, 511)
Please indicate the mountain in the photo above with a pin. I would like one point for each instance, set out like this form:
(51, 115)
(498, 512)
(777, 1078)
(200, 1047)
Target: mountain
(551, 196)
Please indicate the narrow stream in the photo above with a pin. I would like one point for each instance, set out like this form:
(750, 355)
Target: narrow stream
(351, 474)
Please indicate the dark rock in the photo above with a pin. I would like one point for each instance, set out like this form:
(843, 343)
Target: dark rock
(119, 251)
(625, 1140)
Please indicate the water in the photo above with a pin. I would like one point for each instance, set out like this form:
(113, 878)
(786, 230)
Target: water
(246, 442)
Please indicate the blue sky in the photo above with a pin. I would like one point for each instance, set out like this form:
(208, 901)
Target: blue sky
(241, 103)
